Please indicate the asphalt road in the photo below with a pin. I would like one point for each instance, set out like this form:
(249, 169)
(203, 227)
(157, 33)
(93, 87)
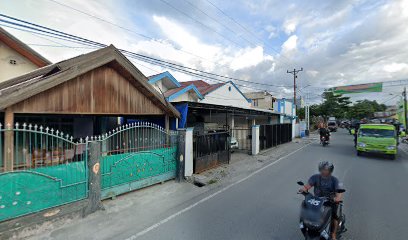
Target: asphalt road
(266, 206)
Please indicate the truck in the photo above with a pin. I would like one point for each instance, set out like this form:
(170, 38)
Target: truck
(377, 138)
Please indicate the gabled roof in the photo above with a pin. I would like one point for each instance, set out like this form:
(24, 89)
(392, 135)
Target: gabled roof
(167, 75)
(202, 86)
(175, 92)
(23, 87)
(206, 88)
(22, 49)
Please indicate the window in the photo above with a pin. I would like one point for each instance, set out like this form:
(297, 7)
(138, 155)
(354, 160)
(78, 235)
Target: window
(255, 102)
(379, 133)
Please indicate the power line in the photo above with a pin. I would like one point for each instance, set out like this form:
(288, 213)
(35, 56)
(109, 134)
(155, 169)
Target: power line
(79, 40)
(243, 27)
(202, 24)
(126, 29)
(215, 20)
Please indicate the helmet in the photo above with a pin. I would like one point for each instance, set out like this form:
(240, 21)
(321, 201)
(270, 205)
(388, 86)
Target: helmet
(326, 165)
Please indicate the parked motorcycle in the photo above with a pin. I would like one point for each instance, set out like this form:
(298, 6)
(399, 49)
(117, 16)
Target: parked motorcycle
(324, 140)
(316, 216)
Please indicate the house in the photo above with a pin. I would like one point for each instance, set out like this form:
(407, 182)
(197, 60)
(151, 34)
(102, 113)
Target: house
(173, 90)
(261, 99)
(210, 106)
(226, 93)
(16, 58)
(82, 96)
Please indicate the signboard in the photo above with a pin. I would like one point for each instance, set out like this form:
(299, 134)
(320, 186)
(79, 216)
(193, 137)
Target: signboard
(360, 88)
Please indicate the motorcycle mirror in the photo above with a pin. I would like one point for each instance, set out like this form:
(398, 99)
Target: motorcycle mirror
(300, 183)
(340, 190)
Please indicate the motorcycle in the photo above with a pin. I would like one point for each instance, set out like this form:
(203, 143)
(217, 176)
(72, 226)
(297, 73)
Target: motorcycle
(316, 216)
(324, 140)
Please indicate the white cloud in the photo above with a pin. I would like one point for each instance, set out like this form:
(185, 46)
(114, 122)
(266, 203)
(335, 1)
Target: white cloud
(272, 30)
(395, 67)
(247, 58)
(289, 26)
(290, 45)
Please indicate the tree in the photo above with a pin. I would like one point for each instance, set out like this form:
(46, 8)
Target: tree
(339, 106)
(334, 105)
(365, 109)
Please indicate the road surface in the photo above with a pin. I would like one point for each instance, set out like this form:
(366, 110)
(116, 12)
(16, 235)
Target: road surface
(265, 205)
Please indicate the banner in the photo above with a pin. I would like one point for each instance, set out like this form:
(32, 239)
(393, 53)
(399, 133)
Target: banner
(360, 88)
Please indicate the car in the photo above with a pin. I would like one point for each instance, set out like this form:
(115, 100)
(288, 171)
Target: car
(332, 126)
(377, 138)
(233, 144)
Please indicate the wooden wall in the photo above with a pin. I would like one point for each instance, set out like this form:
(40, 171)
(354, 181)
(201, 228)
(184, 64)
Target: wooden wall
(100, 91)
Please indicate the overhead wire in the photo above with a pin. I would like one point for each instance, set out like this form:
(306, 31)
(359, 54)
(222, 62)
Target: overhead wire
(79, 40)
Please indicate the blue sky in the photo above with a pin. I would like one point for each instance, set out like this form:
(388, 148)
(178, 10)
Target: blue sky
(336, 42)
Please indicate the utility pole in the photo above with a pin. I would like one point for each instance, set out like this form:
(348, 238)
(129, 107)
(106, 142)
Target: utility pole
(405, 108)
(294, 73)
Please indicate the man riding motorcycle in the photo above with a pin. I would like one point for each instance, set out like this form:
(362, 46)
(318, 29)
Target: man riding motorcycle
(324, 132)
(325, 184)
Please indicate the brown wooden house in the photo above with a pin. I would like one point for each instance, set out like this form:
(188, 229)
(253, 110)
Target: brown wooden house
(82, 96)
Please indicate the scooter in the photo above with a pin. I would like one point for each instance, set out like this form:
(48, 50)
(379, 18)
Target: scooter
(324, 140)
(316, 216)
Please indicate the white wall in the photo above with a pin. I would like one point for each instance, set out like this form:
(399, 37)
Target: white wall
(226, 95)
(159, 86)
(7, 70)
(190, 96)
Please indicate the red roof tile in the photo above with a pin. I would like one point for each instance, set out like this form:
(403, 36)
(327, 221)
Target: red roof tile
(202, 86)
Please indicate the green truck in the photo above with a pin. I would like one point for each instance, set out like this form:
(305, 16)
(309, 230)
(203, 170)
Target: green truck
(377, 138)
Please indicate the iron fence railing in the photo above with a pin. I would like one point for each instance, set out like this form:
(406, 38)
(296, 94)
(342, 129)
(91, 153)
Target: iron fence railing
(41, 168)
(271, 135)
(210, 150)
(136, 155)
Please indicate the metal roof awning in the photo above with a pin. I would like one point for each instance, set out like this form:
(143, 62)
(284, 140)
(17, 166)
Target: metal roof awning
(232, 109)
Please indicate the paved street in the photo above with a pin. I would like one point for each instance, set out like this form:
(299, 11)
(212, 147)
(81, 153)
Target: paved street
(265, 206)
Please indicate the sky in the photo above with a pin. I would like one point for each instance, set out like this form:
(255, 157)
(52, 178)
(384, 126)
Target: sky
(335, 42)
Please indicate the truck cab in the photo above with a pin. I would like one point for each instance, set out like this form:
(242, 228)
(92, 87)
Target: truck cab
(377, 138)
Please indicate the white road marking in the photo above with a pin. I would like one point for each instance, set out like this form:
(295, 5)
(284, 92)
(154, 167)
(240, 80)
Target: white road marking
(156, 225)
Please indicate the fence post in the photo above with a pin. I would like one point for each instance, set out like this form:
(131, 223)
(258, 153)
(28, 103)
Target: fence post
(8, 140)
(188, 157)
(94, 179)
(181, 154)
(255, 139)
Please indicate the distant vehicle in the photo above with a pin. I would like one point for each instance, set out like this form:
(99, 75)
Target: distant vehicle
(233, 144)
(375, 121)
(377, 138)
(332, 126)
(345, 124)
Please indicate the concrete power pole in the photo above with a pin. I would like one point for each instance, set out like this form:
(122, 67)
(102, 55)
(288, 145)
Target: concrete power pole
(405, 109)
(294, 73)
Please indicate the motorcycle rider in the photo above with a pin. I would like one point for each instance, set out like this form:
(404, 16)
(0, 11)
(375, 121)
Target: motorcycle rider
(324, 132)
(325, 184)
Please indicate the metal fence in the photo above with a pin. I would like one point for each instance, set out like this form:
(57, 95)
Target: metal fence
(210, 150)
(271, 135)
(136, 155)
(41, 168)
(243, 138)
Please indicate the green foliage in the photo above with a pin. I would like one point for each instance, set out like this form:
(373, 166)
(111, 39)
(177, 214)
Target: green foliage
(339, 106)
(365, 109)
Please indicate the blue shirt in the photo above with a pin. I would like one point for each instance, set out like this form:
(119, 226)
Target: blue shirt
(324, 186)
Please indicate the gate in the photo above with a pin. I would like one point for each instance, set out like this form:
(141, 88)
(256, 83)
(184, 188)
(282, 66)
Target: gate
(48, 169)
(271, 135)
(210, 150)
(135, 156)
(243, 137)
